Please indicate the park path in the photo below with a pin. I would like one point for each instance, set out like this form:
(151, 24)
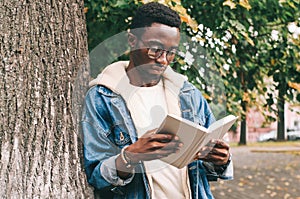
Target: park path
(262, 172)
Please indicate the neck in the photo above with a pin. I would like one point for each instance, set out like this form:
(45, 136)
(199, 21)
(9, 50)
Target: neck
(137, 78)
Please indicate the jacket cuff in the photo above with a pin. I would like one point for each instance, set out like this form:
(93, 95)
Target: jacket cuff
(214, 172)
(109, 172)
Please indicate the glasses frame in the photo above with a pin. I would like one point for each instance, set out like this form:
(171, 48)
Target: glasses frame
(157, 53)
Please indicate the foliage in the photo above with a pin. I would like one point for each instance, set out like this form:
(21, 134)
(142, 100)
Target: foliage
(107, 18)
(247, 45)
(244, 50)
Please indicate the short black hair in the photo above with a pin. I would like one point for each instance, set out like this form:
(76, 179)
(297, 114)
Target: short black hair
(154, 12)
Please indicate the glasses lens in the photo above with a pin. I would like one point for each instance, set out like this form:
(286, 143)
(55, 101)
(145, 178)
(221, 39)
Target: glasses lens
(154, 52)
(171, 55)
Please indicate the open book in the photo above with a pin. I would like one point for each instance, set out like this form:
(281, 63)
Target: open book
(193, 136)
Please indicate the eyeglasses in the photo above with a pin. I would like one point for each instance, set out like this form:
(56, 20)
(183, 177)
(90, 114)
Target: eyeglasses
(155, 51)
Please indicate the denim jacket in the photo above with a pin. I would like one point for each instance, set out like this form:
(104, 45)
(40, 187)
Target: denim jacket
(108, 127)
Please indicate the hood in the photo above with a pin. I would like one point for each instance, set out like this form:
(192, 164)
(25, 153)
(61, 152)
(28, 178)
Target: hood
(114, 77)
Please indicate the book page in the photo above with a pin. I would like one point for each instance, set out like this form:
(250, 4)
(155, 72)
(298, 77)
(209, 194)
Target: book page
(219, 128)
(222, 123)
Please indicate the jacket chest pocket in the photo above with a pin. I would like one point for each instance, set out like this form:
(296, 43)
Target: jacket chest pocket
(120, 137)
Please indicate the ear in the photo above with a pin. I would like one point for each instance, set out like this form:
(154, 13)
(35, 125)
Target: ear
(132, 40)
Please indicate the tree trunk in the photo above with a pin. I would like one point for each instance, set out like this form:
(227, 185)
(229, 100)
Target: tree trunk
(243, 132)
(44, 67)
(280, 106)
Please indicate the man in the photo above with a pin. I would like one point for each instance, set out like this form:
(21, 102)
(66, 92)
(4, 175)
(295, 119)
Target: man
(128, 101)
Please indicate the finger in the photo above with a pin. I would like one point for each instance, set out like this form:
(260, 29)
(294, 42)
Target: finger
(150, 154)
(217, 156)
(221, 144)
(170, 146)
(220, 152)
(202, 153)
(212, 158)
(163, 137)
(173, 146)
(217, 160)
(157, 154)
(201, 156)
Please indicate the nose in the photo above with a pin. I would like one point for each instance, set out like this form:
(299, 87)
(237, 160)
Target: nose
(162, 59)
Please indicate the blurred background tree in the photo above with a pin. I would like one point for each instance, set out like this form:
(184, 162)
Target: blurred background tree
(243, 48)
(252, 37)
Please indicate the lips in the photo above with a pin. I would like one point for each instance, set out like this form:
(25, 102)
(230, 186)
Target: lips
(159, 67)
(154, 69)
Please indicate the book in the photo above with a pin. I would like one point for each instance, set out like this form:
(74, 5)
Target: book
(193, 136)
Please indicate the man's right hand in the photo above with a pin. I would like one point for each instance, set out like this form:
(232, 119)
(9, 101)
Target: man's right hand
(153, 146)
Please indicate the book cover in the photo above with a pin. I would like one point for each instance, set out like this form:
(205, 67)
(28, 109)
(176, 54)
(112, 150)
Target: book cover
(193, 136)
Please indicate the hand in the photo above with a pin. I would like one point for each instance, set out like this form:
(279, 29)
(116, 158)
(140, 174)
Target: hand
(216, 151)
(153, 146)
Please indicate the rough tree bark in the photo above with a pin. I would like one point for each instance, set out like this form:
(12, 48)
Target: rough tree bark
(43, 54)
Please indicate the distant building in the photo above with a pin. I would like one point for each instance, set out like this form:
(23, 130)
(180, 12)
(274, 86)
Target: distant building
(256, 126)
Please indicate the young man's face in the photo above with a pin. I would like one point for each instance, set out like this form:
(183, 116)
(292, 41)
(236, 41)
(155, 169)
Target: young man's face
(155, 49)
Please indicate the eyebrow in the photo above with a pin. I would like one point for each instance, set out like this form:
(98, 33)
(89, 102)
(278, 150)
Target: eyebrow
(161, 44)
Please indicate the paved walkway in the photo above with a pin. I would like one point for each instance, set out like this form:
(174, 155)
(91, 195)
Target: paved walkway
(262, 172)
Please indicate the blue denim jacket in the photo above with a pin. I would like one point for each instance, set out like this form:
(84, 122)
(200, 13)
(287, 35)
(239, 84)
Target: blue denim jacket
(108, 127)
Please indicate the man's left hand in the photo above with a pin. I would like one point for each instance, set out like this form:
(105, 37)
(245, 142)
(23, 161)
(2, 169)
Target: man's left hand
(216, 151)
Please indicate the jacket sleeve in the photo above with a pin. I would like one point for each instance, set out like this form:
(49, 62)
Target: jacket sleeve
(98, 150)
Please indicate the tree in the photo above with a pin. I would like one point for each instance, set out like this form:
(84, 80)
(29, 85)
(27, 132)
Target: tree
(43, 67)
(278, 53)
(227, 39)
(243, 31)
(237, 36)
(280, 56)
